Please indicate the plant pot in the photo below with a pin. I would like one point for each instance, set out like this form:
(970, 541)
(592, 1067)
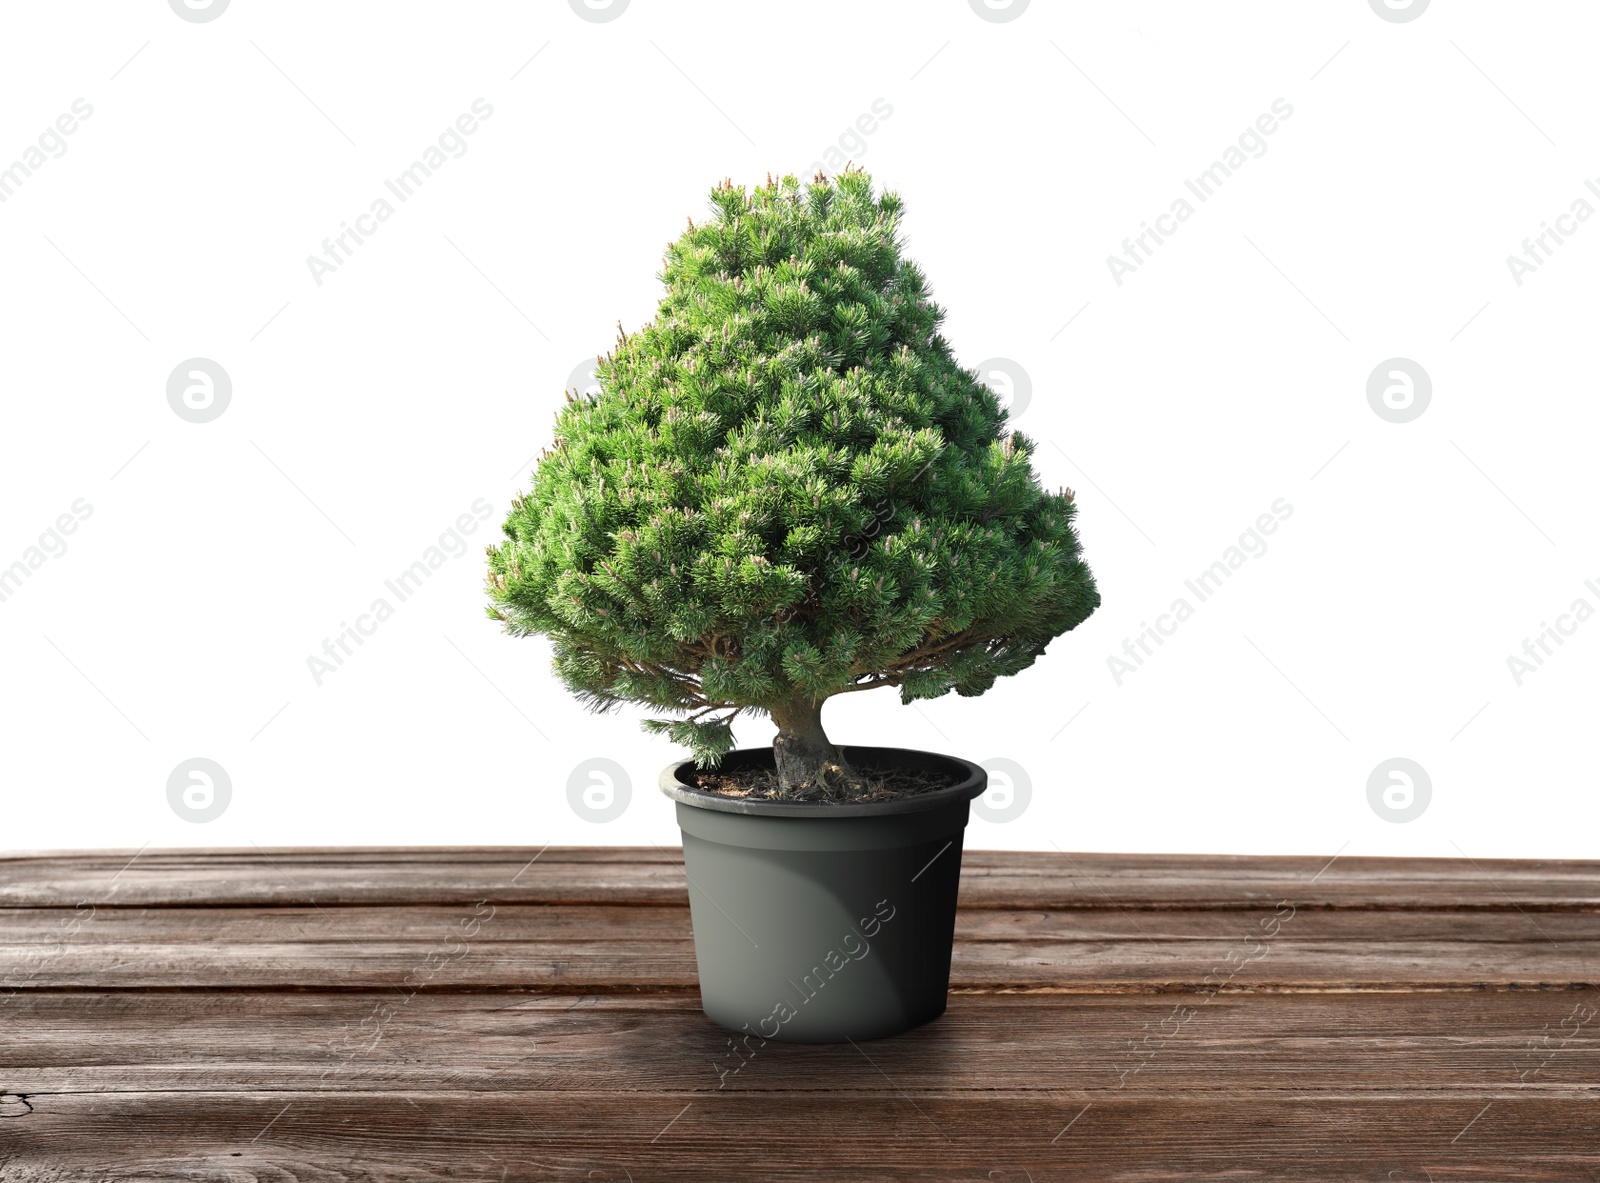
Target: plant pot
(824, 923)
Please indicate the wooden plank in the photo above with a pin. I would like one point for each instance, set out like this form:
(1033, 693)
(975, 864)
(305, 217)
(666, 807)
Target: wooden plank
(328, 879)
(1069, 967)
(651, 875)
(584, 949)
(1468, 1045)
(508, 1137)
(427, 923)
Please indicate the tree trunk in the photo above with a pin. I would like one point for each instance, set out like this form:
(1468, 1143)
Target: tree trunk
(804, 753)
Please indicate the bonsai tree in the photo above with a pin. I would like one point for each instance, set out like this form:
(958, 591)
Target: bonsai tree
(788, 489)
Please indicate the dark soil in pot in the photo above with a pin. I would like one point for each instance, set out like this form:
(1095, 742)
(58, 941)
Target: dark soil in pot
(822, 922)
(760, 782)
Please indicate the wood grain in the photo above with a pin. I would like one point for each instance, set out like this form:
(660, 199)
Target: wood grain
(649, 875)
(588, 948)
(316, 1015)
(632, 1043)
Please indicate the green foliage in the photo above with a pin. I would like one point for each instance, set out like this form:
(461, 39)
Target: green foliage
(789, 489)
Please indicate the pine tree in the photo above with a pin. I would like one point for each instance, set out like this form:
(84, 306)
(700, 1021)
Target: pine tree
(787, 489)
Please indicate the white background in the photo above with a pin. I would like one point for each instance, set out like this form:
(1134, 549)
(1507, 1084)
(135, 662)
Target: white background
(1229, 371)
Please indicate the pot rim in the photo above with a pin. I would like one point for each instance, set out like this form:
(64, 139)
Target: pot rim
(973, 784)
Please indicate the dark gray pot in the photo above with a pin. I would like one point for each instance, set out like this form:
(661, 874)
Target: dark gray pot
(822, 923)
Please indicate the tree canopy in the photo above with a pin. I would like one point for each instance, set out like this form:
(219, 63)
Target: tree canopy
(787, 488)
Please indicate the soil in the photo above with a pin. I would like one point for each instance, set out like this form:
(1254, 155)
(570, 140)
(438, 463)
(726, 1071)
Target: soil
(866, 785)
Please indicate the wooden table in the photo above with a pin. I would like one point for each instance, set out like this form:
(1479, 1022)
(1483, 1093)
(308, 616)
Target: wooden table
(472, 1015)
